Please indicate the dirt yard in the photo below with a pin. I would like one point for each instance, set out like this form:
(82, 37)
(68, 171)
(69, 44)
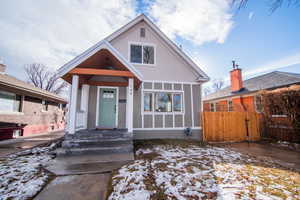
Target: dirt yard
(202, 172)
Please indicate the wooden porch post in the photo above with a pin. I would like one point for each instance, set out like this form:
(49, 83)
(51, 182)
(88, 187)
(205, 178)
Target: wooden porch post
(129, 106)
(73, 104)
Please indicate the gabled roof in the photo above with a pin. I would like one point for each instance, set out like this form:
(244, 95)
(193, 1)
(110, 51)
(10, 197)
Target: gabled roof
(270, 80)
(14, 83)
(173, 46)
(79, 59)
(103, 44)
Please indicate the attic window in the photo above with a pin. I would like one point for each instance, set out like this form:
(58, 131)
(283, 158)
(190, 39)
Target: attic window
(142, 54)
(143, 32)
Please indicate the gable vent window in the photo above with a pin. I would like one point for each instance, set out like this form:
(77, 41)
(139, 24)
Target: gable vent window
(143, 32)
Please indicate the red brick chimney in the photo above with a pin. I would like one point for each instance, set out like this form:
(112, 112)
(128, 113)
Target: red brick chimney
(236, 78)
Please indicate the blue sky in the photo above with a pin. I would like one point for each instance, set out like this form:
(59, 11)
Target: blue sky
(211, 32)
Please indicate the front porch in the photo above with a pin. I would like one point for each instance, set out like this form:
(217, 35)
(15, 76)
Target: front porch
(102, 89)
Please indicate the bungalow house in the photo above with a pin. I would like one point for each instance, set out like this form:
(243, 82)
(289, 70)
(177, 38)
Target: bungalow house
(136, 80)
(245, 95)
(26, 110)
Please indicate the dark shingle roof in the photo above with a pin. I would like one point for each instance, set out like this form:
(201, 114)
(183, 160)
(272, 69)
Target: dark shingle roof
(270, 80)
(12, 82)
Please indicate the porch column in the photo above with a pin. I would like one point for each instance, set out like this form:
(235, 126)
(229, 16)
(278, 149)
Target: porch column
(85, 102)
(129, 106)
(73, 104)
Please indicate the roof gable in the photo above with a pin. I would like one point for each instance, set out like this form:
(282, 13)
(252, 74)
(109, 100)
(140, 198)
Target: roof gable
(105, 44)
(169, 42)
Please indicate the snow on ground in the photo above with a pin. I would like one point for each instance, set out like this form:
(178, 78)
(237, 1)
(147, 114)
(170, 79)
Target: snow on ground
(21, 174)
(174, 172)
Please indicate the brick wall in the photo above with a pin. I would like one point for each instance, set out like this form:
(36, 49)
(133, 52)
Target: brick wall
(37, 120)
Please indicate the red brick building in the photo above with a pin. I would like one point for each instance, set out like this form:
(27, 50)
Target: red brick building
(245, 95)
(27, 110)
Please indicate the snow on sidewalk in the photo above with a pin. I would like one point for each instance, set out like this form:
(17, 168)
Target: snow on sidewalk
(173, 172)
(21, 174)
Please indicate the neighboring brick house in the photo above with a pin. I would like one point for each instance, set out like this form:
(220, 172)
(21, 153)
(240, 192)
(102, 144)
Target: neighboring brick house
(27, 110)
(244, 95)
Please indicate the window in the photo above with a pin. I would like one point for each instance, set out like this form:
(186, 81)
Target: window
(177, 105)
(142, 54)
(258, 104)
(10, 102)
(212, 107)
(162, 102)
(148, 102)
(143, 32)
(230, 105)
(44, 105)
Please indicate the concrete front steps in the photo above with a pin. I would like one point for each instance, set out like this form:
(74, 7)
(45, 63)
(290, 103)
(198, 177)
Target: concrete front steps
(96, 151)
(99, 142)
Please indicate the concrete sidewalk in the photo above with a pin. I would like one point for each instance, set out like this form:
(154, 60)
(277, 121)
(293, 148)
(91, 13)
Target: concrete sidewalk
(287, 158)
(19, 144)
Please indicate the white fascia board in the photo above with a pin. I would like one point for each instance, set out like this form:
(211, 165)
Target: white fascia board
(79, 59)
(165, 38)
(91, 51)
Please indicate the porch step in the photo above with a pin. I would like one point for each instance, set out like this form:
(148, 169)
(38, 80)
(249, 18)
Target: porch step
(98, 142)
(124, 148)
(94, 135)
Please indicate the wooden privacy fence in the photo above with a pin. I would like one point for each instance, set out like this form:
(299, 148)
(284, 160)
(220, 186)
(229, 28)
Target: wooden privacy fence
(230, 126)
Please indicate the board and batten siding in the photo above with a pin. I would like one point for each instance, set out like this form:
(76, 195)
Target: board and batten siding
(190, 117)
(162, 125)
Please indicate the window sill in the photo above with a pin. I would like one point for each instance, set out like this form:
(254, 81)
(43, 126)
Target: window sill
(10, 113)
(144, 65)
(163, 113)
(275, 116)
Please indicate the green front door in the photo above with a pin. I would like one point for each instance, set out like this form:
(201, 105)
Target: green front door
(107, 108)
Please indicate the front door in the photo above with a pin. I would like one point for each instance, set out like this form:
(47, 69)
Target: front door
(108, 108)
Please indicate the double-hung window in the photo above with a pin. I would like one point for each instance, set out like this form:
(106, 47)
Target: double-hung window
(163, 102)
(10, 102)
(142, 54)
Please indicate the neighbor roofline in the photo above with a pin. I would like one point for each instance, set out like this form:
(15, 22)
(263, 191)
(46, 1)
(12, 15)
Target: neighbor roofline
(53, 97)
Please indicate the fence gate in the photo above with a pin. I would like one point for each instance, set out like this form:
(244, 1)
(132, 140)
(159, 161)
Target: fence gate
(230, 126)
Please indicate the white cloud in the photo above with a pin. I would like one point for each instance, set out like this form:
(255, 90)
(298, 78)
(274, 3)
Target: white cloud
(196, 20)
(53, 32)
(274, 65)
(250, 15)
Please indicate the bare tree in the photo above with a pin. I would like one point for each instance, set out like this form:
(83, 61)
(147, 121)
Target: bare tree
(217, 84)
(42, 77)
(206, 91)
(274, 4)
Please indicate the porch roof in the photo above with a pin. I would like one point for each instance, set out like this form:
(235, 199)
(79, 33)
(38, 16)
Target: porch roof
(100, 60)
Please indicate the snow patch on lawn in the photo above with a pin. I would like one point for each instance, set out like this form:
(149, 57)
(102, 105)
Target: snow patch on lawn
(21, 174)
(174, 172)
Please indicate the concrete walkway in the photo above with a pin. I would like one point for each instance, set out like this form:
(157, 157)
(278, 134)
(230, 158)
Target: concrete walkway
(76, 187)
(19, 144)
(284, 157)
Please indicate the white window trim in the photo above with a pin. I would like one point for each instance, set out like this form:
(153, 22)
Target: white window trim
(228, 100)
(142, 44)
(255, 105)
(44, 102)
(98, 104)
(153, 102)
